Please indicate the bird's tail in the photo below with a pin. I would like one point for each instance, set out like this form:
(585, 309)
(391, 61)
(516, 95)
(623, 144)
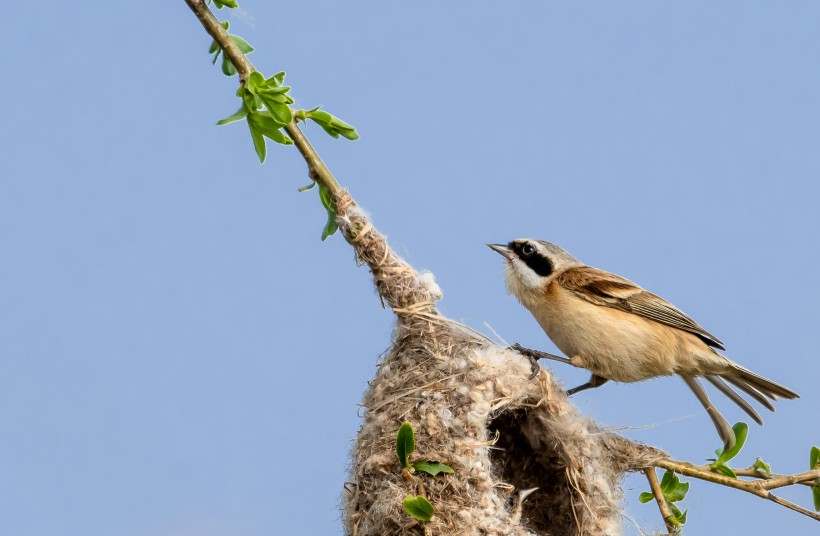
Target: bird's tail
(741, 378)
(759, 388)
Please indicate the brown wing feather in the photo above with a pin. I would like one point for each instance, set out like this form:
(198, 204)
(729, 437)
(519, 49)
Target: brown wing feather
(609, 290)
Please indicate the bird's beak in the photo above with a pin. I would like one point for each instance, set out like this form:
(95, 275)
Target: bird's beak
(501, 249)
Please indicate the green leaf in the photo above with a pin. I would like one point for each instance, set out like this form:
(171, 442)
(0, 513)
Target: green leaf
(332, 125)
(274, 90)
(348, 131)
(307, 187)
(418, 508)
(279, 137)
(724, 470)
(815, 490)
(432, 468)
(275, 95)
(645, 497)
(241, 113)
(227, 67)
(678, 517)
(278, 112)
(327, 202)
(227, 3)
(321, 117)
(276, 80)
(258, 142)
(679, 492)
(255, 82)
(331, 226)
(214, 48)
(762, 467)
(263, 123)
(252, 102)
(405, 441)
(268, 127)
(741, 432)
(814, 457)
(669, 481)
(243, 45)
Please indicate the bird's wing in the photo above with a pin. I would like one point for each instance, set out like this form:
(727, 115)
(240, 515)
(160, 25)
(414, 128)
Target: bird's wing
(609, 290)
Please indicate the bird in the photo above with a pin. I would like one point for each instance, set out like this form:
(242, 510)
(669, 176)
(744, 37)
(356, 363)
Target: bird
(618, 331)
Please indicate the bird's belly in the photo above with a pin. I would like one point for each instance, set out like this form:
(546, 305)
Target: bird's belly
(614, 344)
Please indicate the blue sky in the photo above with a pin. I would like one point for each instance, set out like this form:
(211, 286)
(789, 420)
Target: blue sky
(180, 354)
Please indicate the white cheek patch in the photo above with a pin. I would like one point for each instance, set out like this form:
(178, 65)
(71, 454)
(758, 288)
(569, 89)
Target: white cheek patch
(520, 275)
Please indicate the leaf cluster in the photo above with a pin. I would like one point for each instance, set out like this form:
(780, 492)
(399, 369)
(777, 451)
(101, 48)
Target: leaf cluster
(406, 445)
(265, 105)
(416, 506)
(673, 491)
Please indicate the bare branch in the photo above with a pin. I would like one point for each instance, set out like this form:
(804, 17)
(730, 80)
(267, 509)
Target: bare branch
(666, 513)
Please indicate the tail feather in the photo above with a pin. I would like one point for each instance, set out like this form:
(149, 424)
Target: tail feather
(751, 391)
(718, 382)
(764, 385)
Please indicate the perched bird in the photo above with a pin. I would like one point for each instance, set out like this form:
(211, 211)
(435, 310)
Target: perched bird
(621, 332)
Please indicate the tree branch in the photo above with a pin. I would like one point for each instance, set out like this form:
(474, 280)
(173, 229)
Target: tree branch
(220, 35)
(666, 513)
(757, 487)
(752, 472)
(317, 170)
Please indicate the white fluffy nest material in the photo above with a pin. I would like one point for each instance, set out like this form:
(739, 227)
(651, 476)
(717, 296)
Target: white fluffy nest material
(473, 407)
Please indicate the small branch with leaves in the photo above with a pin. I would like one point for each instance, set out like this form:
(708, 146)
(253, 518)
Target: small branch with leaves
(265, 106)
(671, 490)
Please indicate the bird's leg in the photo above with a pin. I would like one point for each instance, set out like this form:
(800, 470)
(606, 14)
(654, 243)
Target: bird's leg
(535, 355)
(594, 381)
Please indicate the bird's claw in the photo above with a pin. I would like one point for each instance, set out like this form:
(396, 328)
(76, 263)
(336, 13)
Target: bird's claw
(531, 355)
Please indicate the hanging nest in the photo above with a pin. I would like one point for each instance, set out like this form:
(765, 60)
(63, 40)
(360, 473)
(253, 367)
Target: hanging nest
(525, 461)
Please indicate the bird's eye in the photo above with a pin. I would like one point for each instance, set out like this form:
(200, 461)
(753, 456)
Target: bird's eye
(527, 249)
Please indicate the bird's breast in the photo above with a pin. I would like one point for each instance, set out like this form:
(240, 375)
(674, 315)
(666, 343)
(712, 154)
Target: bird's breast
(614, 344)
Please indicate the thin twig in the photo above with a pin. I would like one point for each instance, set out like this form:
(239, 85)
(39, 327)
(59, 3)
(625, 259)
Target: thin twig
(761, 488)
(752, 472)
(791, 506)
(666, 513)
(317, 169)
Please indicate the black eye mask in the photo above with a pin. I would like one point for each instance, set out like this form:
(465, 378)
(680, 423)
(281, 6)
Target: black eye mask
(539, 264)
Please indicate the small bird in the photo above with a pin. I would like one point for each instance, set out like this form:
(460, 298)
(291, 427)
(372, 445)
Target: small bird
(621, 332)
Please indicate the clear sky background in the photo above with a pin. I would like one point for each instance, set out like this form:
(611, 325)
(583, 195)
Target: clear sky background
(181, 355)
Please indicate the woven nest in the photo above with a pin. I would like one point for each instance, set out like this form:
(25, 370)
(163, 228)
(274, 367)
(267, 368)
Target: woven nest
(525, 461)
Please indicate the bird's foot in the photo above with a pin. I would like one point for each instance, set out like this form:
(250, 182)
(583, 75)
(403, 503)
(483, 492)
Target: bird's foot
(535, 355)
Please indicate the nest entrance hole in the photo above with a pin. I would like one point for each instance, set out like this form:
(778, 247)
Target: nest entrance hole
(514, 461)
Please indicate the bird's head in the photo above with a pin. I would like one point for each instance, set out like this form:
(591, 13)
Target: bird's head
(531, 266)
